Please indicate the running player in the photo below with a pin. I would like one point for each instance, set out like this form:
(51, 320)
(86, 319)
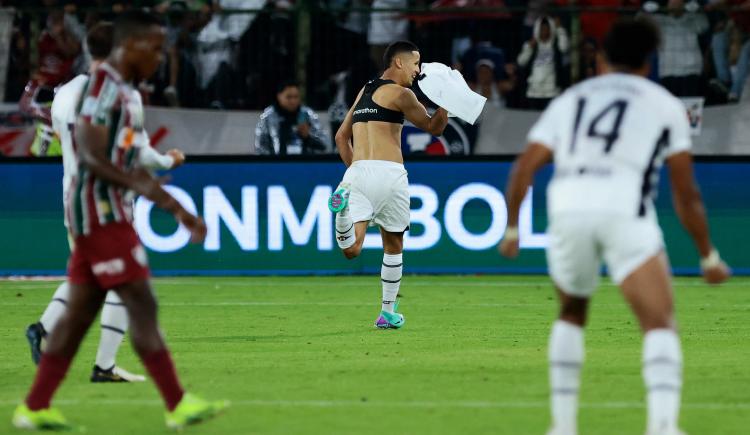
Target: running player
(107, 253)
(375, 188)
(608, 137)
(114, 318)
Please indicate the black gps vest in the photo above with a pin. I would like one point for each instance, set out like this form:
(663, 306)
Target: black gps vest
(368, 110)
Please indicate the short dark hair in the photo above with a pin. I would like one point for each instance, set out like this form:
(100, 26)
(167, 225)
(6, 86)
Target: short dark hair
(133, 23)
(289, 83)
(631, 41)
(394, 49)
(99, 39)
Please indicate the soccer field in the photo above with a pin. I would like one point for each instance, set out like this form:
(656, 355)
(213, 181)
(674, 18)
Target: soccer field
(301, 356)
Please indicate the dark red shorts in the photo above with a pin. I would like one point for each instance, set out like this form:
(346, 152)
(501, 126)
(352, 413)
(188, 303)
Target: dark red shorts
(110, 256)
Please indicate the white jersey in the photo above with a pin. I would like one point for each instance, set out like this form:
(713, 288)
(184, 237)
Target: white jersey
(63, 112)
(63, 118)
(610, 136)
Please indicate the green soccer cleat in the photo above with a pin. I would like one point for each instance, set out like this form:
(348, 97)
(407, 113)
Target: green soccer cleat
(192, 409)
(392, 320)
(42, 419)
(339, 199)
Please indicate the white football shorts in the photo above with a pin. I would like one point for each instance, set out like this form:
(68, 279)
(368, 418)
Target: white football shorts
(379, 193)
(579, 242)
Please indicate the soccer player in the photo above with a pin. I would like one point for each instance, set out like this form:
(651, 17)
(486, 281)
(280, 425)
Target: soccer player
(114, 318)
(107, 253)
(609, 136)
(375, 188)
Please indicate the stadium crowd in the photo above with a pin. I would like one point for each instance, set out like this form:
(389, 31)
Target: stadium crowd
(518, 54)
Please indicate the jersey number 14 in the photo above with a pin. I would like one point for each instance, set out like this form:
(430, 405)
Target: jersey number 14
(616, 110)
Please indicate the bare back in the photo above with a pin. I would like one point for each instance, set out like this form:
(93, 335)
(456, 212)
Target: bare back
(379, 140)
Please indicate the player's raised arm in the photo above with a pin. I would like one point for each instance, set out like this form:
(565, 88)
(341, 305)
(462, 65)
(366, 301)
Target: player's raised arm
(344, 135)
(416, 113)
(521, 177)
(689, 207)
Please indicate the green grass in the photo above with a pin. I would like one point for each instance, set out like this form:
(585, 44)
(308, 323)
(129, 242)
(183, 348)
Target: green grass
(300, 356)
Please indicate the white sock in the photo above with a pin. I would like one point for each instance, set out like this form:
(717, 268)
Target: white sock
(390, 276)
(55, 308)
(114, 324)
(662, 372)
(345, 236)
(566, 351)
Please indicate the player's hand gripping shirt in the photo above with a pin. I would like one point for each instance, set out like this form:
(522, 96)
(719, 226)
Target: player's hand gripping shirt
(610, 136)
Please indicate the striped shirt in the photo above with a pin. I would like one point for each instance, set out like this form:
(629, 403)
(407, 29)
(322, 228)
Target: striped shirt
(106, 101)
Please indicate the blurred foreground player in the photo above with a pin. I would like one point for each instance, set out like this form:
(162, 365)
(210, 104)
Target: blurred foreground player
(114, 317)
(107, 253)
(608, 137)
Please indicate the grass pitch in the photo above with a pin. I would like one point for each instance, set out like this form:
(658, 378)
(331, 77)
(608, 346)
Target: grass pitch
(300, 356)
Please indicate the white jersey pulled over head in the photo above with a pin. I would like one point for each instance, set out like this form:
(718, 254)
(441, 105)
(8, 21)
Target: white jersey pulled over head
(610, 136)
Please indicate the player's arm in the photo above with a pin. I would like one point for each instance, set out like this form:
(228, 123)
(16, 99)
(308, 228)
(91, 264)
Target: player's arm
(152, 159)
(416, 113)
(689, 207)
(344, 135)
(521, 177)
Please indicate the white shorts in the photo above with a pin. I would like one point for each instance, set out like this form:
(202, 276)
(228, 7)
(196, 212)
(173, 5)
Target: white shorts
(578, 243)
(379, 193)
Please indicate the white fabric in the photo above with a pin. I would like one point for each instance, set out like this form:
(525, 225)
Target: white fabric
(566, 355)
(447, 88)
(379, 194)
(390, 276)
(63, 117)
(662, 373)
(387, 27)
(579, 242)
(614, 181)
(542, 82)
(345, 234)
(114, 315)
(679, 53)
(56, 307)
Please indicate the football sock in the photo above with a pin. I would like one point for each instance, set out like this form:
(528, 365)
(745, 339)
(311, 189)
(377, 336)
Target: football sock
(390, 276)
(161, 368)
(344, 229)
(566, 352)
(114, 323)
(49, 375)
(662, 373)
(55, 308)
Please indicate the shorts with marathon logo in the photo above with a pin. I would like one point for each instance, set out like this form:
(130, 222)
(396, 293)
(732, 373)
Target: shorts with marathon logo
(112, 255)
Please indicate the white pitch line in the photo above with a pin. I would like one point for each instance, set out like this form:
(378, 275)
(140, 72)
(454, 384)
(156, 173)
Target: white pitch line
(391, 404)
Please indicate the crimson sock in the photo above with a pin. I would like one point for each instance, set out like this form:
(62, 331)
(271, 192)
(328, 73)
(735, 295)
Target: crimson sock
(49, 375)
(161, 368)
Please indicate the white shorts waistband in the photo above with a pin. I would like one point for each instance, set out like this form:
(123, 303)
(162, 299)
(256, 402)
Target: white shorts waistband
(377, 164)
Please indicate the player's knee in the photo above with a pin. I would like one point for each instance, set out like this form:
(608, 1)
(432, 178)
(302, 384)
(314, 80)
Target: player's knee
(574, 311)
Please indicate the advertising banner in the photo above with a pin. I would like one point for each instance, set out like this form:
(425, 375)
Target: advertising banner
(272, 218)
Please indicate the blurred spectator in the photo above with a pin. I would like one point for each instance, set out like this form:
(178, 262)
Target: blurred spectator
(487, 82)
(680, 57)
(542, 60)
(19, 65)
(721, 44)
(596, 23)
(589, 59)
(386, 27)
(287, 127)
(216, 45)
(58, 48)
